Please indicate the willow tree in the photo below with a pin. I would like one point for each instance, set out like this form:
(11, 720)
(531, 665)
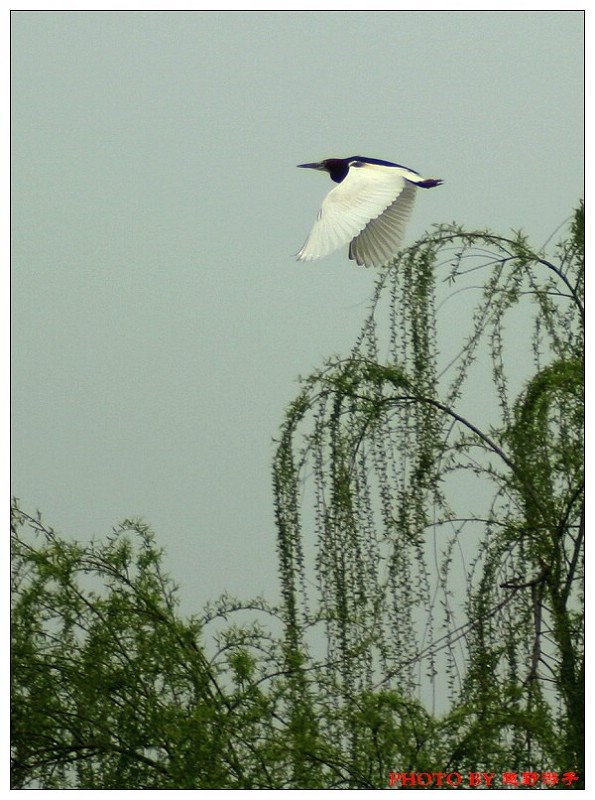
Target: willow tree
(112, 688)
(429, 500)
(429, 495)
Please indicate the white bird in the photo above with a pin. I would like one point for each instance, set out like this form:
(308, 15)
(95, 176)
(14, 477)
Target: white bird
(368, 210)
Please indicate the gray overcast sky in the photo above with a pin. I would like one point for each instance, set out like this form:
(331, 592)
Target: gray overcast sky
(159, 319)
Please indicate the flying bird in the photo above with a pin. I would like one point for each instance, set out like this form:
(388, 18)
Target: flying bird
(368, 209)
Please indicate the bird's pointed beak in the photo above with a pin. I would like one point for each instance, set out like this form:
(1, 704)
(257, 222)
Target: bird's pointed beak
(317, 165)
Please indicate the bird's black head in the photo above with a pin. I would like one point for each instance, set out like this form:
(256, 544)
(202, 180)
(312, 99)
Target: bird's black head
(336, 167)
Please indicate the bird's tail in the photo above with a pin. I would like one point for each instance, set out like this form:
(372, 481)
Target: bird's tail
(429, 183)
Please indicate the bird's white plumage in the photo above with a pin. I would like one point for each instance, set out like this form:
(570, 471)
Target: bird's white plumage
(368, 210)
(381, 238)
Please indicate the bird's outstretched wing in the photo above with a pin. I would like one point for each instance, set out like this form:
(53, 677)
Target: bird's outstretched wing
(381, 238)
(367, 191)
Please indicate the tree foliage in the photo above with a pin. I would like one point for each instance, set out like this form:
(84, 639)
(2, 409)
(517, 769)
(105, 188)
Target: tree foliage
(448, 499)
(429, 507)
